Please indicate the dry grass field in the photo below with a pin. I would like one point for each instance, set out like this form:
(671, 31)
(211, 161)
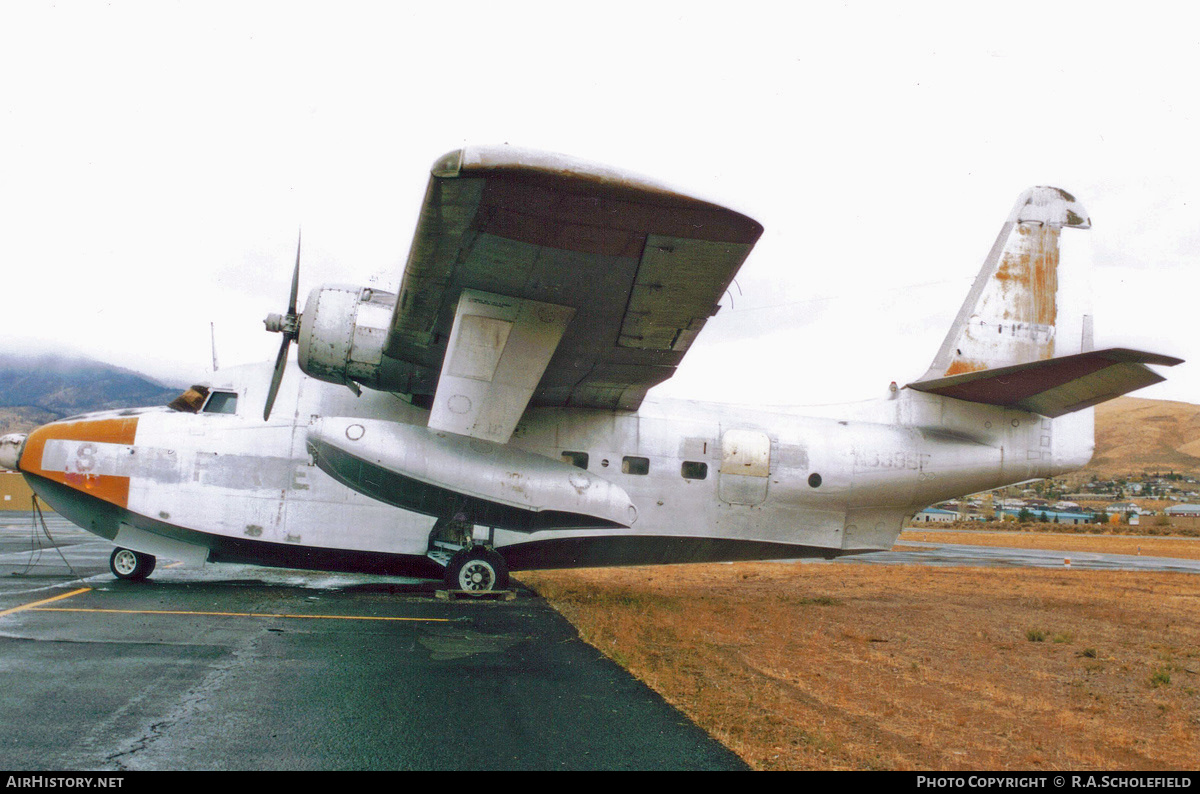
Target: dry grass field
(843, 666)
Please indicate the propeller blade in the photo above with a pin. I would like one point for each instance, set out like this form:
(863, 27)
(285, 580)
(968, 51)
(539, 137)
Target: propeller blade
(276, 377)
(295, 278)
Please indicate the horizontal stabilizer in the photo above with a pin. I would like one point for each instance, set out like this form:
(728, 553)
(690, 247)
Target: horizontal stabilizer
(1054, 386)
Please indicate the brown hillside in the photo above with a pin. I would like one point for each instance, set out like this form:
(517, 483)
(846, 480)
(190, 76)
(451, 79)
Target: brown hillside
(1135, 435)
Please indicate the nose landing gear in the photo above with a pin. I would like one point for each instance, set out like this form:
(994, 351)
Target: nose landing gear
(131, 565)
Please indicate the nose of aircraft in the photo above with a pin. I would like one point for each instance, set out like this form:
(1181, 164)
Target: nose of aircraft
(89, 454)
(11, 447)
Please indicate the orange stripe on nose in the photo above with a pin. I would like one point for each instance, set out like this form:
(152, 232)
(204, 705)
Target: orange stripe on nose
(110, 488)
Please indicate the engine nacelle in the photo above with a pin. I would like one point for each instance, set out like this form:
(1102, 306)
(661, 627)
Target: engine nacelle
(343, 331)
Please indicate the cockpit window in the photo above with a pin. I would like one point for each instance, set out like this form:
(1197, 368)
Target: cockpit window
(221, 402)
(190, 401)
(199, 399)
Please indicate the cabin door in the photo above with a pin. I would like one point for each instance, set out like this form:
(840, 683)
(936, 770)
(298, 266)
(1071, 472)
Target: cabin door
(745, 467)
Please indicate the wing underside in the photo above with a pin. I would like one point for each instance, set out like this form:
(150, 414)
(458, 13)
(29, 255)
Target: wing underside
(625, 272)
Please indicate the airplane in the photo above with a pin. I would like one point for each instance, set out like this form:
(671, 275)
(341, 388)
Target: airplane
(492, 416)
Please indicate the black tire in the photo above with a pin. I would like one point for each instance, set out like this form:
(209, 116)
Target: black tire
(477, 569)
(131, 565)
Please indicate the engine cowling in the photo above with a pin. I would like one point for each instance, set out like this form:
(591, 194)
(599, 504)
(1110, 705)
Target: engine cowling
(341, 339)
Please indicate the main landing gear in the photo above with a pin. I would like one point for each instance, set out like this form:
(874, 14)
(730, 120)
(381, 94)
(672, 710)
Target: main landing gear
(477, 568)
(470, 566)
(131, 565)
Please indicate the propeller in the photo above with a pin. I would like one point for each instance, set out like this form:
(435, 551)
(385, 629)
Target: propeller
(288, 325)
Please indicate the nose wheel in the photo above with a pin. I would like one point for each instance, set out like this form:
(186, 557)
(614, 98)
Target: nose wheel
(131, 565)
(477, 568)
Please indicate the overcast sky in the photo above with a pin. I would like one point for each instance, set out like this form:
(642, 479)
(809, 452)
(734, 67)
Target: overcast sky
(159, 158)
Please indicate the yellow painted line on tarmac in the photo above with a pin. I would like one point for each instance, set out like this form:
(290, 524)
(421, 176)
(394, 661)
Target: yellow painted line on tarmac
(36, 604)
(222, 614)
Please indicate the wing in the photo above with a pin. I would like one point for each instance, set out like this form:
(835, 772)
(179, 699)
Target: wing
(534, 279)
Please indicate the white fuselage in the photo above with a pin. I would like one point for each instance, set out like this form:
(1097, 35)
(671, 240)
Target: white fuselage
(760, 482)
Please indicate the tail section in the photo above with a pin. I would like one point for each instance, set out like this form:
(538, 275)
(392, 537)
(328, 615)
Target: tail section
(1001, 349)
(1011, 313)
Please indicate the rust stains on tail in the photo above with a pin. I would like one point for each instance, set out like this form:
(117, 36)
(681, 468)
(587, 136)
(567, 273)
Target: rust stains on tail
(1011, 314)
(961, 367)
(1027, 275)
(1014, 318)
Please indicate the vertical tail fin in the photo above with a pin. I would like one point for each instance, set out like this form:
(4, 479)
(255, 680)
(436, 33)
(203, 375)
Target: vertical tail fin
(1002, 349)
(1010, 315)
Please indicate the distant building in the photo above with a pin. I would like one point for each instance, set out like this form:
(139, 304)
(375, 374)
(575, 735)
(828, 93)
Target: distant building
(14, 492)
(1183, 510)
(935, 515)
(1051, 516)
(1184, 515)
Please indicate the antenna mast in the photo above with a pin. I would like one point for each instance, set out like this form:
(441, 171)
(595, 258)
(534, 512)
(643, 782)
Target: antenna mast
(212, 330)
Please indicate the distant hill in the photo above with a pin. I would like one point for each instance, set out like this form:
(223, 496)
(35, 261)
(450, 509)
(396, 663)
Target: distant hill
(1135, 435)
(38, 389)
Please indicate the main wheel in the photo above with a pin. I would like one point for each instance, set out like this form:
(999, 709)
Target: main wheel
(477, 568)
(131, 565)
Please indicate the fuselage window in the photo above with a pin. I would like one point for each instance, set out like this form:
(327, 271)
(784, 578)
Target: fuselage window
(577, 459)
(694, 470)
(634, 465)
(221, 402)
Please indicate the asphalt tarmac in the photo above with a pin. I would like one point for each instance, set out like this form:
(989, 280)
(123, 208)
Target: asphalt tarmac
(231, 667)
